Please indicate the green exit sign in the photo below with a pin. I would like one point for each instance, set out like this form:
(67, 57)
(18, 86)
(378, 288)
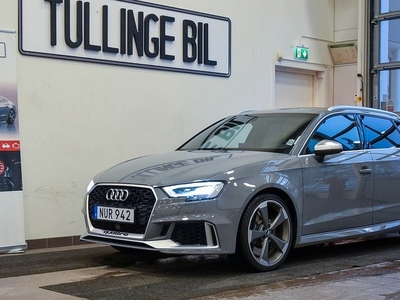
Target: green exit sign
(301, 53)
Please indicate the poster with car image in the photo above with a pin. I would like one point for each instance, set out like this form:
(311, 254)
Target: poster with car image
(10, 162)
(12, 228)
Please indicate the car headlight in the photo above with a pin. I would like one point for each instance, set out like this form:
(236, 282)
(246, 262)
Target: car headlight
(195, 191)
(90, 186)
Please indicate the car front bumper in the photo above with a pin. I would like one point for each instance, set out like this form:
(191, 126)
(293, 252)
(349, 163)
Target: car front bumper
(166, 225)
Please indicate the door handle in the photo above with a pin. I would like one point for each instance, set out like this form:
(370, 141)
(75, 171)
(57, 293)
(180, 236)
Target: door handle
(365, 170)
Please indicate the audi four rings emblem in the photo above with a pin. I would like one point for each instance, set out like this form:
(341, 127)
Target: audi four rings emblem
(117, 194)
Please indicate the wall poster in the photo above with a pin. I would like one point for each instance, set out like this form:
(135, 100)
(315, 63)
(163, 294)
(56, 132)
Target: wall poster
(12, 230)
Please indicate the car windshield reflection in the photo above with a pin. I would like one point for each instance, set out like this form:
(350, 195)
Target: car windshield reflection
(272, 133)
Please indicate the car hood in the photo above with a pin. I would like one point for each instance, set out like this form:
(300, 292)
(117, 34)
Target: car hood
(182, 166)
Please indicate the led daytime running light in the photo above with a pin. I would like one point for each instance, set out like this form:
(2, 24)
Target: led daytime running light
(195, 191)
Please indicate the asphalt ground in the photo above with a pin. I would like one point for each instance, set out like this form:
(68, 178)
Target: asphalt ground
(330, 271)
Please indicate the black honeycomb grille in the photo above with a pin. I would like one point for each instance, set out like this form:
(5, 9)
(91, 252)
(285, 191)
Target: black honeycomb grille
(142, 200)
(190, 234)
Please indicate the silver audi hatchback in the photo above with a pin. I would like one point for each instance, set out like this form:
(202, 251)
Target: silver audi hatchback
(254, 185)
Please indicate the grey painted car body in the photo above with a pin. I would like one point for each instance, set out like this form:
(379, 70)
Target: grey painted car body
(189, 166)
(6, 106)
(361, 186)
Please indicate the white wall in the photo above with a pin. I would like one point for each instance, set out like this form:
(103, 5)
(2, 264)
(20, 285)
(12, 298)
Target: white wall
(346, 20)
(346, 29)
(78, 118)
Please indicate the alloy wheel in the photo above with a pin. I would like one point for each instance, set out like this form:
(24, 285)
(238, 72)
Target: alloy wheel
(266, 233)
(11, 117)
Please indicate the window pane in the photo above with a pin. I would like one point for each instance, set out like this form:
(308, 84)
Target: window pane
(389, 6)
(389, 91)
(342, 129)
(381, 133)
(389, 41)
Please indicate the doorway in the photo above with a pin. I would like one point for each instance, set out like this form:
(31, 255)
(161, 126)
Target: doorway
(294, 88)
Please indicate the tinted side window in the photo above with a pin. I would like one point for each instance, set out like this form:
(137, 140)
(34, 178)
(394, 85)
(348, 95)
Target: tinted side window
(340, 128)
(380, 133)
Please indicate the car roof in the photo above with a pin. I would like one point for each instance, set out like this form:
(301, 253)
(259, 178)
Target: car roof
(326, 111)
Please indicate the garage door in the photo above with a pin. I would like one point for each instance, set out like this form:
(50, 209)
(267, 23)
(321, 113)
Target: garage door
(293, 89)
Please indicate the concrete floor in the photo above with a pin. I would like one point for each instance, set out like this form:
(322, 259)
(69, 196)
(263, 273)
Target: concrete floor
(374, 281)
(381, 281)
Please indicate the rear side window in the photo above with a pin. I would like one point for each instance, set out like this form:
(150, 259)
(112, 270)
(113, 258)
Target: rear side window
(381, 133)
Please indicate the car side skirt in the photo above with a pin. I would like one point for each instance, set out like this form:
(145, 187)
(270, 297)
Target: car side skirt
(346, 234)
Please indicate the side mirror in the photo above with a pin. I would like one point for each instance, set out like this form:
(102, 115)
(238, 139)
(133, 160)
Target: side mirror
(326, 147)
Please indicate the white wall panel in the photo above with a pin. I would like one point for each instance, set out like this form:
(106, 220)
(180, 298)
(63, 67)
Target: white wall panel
(77, 118)
(346, 29)
(345, 85)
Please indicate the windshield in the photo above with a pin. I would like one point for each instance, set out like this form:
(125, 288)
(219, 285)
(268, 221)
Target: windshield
(274, 132)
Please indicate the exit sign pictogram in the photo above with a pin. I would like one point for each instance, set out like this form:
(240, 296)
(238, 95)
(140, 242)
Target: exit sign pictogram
(301, 53)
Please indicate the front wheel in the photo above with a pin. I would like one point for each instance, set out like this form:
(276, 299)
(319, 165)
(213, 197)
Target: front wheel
(265, 233)
(11, 117)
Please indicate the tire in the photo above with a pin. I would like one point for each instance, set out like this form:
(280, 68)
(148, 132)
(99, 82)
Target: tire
(265, 234)
(11, 117)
